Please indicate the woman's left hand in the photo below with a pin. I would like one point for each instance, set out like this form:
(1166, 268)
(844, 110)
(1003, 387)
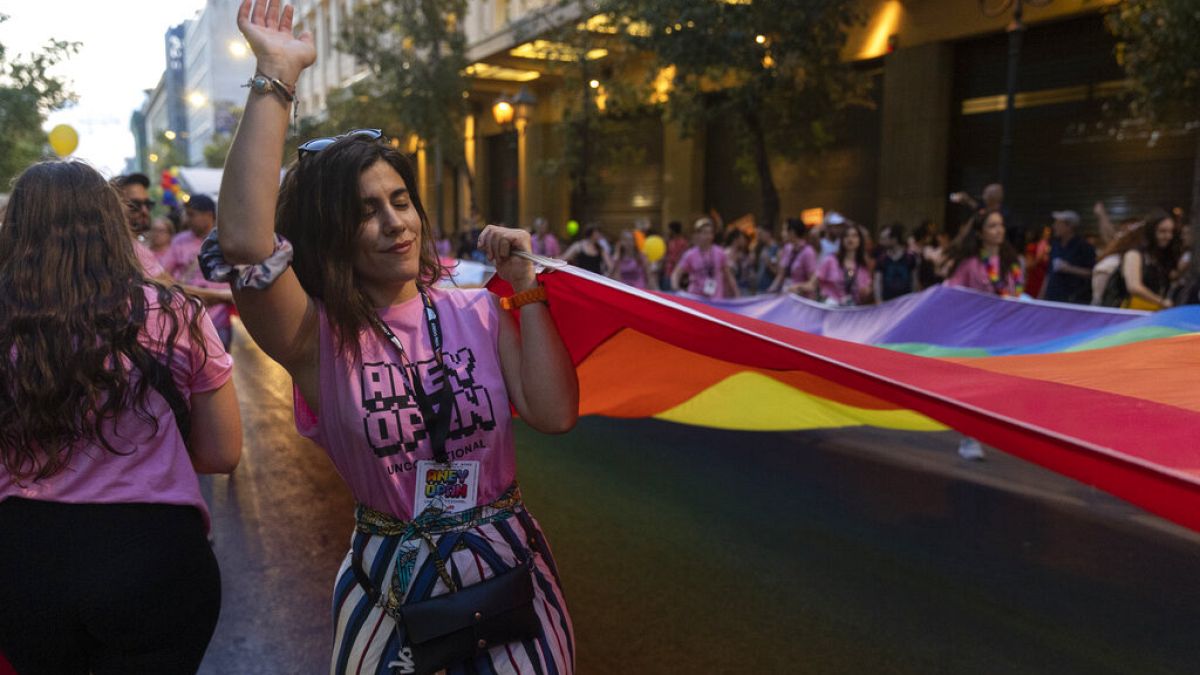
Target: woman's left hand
(498, 244)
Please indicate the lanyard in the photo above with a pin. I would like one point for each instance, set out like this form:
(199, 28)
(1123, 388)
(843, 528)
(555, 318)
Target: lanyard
(445, 397)
(710, 265)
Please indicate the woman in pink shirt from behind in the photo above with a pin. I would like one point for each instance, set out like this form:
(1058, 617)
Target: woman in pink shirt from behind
(105, 564)
(797, 260)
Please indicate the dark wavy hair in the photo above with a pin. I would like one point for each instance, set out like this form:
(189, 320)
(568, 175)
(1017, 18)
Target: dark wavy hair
(969, 243)
(320, 211)
(1167, 257)
(73, 319)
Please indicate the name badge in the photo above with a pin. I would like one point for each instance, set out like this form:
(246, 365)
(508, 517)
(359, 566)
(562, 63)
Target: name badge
(710, 286)
(450, 487)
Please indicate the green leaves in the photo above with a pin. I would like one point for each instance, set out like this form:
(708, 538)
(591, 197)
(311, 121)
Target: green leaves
(773, 67)
(27, 94)
(1161, 55)
(415, 51)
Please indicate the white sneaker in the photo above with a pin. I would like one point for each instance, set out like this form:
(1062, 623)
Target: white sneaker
(969, 448)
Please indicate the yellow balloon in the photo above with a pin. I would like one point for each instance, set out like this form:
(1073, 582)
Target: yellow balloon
(63, 140)
(654, 248)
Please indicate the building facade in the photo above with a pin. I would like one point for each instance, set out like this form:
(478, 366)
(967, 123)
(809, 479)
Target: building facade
(939, 70)
(218, 63)
(200, 93)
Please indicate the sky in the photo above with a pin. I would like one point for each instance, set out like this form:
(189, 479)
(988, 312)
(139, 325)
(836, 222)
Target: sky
(122, 55)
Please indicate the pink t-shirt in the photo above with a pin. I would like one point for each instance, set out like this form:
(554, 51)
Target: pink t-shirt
(546, 244)
(800, 266)
(150, 263)
(182, 261)
(157, 469)
(972, 273)
(706, 271)
(631, 271)
(372, 428)
(831, 282)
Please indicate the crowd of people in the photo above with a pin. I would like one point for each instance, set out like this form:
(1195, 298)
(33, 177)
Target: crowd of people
(1139, 263)
(117, 392)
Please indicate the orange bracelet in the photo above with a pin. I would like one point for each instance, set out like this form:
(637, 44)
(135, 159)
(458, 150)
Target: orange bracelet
(518, 300)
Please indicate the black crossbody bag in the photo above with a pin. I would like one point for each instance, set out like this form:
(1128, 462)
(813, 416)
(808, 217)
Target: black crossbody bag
(449, 629)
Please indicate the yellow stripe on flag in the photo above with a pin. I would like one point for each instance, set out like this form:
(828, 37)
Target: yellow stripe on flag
(753, 402)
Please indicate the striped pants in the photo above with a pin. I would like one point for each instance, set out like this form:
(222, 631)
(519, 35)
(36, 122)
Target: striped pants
(369, 642)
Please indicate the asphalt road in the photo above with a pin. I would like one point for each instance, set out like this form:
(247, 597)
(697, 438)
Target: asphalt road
(687, 550)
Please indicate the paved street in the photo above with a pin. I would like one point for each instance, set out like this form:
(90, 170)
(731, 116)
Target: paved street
(688, 550)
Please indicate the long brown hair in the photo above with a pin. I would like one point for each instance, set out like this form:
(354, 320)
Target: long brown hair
(1167, 256)
(969, 243)
(73, 315)
(860, 255)
(320, 212)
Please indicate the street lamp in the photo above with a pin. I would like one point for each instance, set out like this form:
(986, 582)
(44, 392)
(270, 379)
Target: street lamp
(502, 112)
(523, 104)
(1016, 28)
(515, 111)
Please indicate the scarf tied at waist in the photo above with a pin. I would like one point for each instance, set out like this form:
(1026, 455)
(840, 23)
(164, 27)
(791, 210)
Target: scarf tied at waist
(431, 522)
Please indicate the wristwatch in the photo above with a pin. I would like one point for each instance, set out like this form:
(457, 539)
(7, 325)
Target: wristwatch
(261, 84)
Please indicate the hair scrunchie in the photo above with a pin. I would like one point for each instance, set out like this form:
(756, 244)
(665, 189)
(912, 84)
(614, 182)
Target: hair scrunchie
(257, 276)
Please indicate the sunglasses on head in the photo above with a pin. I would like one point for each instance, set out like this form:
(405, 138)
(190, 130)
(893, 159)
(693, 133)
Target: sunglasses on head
(142, 203)
(318, 144)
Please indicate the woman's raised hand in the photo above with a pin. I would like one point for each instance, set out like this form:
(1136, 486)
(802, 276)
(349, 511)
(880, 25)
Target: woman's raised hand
(267, 25)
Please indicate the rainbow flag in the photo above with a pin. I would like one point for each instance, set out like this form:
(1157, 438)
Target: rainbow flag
(1107, 397)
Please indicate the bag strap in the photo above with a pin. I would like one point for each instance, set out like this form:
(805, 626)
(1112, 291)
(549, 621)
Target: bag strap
(159, 377)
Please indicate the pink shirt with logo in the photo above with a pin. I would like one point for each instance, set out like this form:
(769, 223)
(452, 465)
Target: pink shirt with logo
(372, 428)
(182, 261)
(702, 266)
(157, 469)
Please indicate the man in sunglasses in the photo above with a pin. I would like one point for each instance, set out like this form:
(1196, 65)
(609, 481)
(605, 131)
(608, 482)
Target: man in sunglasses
(134, 189)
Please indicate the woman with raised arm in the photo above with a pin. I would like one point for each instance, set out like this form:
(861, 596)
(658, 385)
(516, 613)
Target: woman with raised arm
(406, 386)
(114, 393)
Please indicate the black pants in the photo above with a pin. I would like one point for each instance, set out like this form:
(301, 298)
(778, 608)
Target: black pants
(105, 588)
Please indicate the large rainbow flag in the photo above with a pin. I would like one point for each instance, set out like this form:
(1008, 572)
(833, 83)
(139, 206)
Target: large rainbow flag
(1107, 397)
